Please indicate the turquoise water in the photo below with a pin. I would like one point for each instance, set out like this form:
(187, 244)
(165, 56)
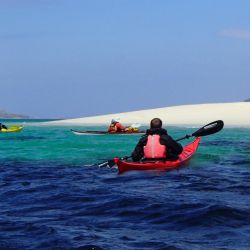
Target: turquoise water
(57, 143)
(54, 196)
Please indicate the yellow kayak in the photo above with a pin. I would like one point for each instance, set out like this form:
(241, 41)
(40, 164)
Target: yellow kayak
(11, 129)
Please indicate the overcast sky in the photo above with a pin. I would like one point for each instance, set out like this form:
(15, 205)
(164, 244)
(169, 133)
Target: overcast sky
(61, 59)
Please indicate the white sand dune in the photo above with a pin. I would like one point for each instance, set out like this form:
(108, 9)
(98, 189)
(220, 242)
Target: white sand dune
(235, 114)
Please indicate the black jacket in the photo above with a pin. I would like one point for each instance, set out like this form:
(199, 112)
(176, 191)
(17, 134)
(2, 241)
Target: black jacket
(2, 126)
(174, 148)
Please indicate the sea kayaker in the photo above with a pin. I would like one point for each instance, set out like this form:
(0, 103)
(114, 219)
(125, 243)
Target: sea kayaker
(2, 126)
(116, 126)
(156, 144)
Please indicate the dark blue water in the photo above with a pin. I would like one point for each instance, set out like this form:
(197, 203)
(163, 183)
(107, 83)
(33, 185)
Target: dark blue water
(53, 202)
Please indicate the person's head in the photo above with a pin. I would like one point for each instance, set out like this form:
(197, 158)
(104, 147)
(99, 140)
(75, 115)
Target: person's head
(115, 120)
(156, 123)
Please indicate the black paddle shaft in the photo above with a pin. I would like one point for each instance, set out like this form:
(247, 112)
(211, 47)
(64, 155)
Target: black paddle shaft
(208, 129)
(110, 163)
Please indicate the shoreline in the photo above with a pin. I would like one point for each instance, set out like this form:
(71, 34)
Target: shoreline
(236, 114)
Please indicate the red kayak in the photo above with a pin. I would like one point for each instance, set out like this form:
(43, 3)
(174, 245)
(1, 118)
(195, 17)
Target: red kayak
(188, 151)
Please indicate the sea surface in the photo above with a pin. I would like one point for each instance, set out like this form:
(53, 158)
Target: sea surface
(53, 195)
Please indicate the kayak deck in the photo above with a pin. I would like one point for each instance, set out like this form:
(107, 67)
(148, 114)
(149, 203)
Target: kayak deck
(77, 132)
(188, 151)
(11, 129)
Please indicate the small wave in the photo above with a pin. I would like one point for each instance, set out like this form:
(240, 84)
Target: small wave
(22, 138)
(213, 215)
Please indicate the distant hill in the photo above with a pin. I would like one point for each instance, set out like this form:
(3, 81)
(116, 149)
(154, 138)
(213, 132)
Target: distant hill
(247, 100)
(8, 115)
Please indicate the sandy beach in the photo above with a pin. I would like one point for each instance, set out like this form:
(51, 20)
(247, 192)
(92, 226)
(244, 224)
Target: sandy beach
(235, 114)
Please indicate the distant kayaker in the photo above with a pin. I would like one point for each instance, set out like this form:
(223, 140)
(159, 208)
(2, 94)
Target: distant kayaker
(116, 126)
(2, 126)
(156, 144)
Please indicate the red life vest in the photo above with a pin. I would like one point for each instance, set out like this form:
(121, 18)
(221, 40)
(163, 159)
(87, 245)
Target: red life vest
(116, 127)
(154, 149)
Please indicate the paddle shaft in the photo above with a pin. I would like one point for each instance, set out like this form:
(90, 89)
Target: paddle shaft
(208, 129)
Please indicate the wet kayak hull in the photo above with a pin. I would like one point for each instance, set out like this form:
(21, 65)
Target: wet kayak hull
(77, 132)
